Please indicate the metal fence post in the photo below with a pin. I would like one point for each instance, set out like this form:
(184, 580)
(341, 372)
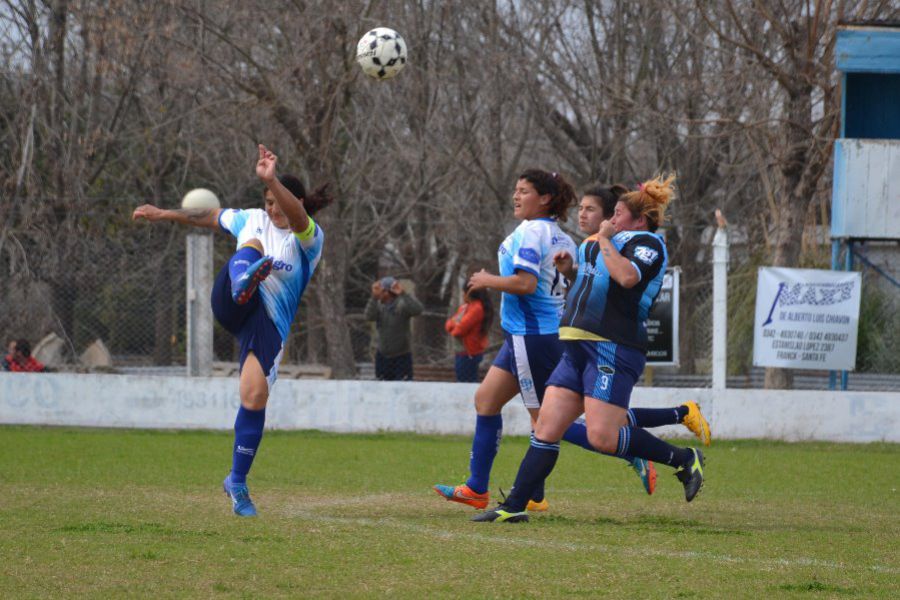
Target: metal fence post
(199, 311)
(720, 305)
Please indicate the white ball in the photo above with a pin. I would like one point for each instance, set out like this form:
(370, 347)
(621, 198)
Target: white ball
(381, 53)
(200, 198)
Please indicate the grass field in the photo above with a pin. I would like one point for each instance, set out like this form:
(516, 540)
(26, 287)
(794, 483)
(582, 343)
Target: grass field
(114, 513)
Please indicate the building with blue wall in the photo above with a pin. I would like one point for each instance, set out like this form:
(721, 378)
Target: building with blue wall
(866, 190)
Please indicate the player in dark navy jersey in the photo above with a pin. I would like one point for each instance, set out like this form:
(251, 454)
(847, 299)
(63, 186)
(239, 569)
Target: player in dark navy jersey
(620, 272)
(601, 307)
(623, 306)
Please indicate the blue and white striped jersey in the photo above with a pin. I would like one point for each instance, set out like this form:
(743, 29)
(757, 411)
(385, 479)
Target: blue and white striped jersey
(296, 257)
(530, 248)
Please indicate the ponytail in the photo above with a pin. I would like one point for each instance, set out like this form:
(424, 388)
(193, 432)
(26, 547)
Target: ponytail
(319, 199)
(313, 203)
(651, 199)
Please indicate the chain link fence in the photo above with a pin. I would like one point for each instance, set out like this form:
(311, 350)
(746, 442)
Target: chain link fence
(115, 302)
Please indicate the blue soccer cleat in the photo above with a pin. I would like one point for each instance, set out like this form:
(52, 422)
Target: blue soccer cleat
(240, 498)
(242, 289)
(646, 471)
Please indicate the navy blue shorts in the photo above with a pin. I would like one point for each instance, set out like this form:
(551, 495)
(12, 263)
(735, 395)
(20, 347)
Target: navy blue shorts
(603, 370)
(531, 358)
(250, 324)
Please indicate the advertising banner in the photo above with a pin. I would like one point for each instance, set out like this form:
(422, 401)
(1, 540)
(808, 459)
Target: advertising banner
(662, 322)
(806, 318)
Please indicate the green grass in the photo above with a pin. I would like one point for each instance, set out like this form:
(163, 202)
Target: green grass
(113, 513)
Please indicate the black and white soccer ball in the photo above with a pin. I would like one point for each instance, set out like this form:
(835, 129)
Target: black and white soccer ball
(381, 53)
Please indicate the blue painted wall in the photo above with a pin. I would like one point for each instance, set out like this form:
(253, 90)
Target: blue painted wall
(868, 50)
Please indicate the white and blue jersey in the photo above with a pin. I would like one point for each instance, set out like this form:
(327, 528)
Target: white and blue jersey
(530, 248)
(295, 254)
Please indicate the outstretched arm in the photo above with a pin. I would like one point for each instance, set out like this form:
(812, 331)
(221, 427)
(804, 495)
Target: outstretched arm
(521, 283)
(290, 205)
(196, 217)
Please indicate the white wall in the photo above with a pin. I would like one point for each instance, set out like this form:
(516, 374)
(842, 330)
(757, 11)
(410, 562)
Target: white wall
(367, 406)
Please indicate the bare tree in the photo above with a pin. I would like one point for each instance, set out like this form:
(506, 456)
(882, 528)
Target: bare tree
(790, 47)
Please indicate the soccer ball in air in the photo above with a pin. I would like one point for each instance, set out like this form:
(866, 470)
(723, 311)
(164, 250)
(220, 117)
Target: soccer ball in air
(381, 53)
(200, 198)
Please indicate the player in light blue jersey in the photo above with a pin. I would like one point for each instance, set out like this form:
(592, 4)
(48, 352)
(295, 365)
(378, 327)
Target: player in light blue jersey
(533, 299)
(605, 345)
(256, 294)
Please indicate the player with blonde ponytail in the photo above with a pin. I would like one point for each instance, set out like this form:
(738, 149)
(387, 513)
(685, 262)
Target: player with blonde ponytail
(620, 272)
(650, 200)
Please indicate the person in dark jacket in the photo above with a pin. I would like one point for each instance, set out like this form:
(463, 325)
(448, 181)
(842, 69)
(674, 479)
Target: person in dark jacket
(391, 308)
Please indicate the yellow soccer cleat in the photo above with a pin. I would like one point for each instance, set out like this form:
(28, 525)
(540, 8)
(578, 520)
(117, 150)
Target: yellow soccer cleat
(696, 422)
(541, 506)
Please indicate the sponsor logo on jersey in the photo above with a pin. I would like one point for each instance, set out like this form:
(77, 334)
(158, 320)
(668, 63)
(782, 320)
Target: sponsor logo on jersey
(645, 255)
(530, 255)
(278, 265)
(590, 269)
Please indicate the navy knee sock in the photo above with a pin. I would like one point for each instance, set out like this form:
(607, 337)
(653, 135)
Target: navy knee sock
(240, 260)
(577, 434)
(485, 443)
(634, 441)
(248, 432)
(656, 417)
(538, 494)
(536, 466)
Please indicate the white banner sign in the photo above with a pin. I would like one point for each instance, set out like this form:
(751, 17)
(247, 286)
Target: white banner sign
(806, 318)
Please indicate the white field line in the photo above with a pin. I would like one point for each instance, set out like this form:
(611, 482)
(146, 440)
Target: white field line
(309, 513)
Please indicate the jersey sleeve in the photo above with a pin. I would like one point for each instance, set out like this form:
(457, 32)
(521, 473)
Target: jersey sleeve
(233, 220)
(530, 252)
(311, 240)
(645, 254)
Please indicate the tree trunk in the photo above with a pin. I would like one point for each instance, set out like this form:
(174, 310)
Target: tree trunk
(330, 293)
(793, 202)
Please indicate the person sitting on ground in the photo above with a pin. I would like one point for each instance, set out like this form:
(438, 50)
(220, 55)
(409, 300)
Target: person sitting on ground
(19, 359)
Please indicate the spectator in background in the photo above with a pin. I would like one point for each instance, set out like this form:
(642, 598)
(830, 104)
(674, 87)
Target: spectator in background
(10, 349)
(470, 325)
(391, 308)
(20, 360)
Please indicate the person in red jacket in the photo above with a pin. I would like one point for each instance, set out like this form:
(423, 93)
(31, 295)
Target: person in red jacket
(20, 360)
(470, 325)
